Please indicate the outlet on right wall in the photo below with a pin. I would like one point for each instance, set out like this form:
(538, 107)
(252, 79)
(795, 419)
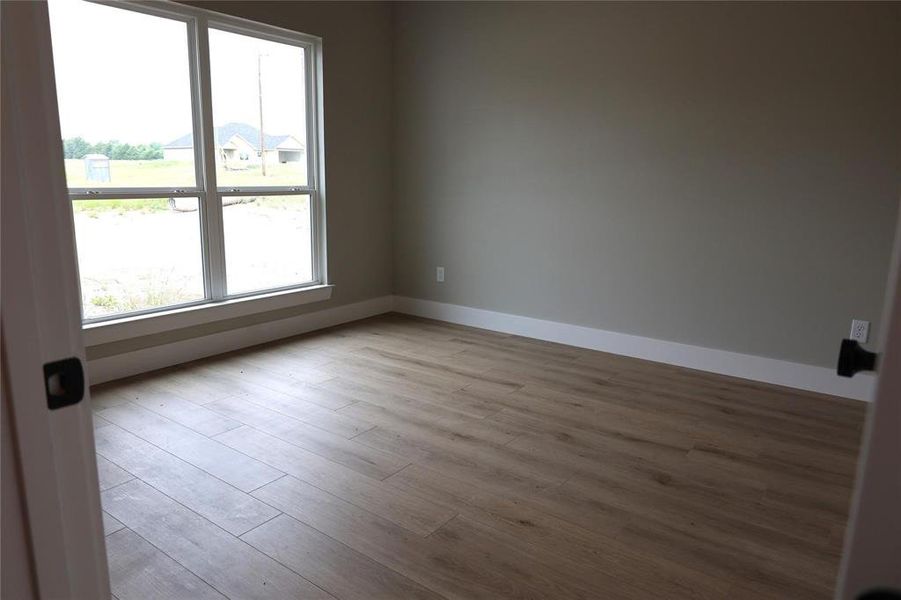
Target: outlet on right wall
(725, 175)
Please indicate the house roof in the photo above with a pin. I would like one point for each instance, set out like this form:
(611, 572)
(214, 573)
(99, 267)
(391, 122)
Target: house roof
(249, 133)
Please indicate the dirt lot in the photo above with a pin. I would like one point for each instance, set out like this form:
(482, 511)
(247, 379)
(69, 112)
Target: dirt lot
(137, 259)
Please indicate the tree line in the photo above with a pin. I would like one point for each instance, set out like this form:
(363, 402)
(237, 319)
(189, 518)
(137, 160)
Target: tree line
(78, 147)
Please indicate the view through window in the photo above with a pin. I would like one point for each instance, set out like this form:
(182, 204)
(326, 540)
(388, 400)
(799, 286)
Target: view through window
(173, 206)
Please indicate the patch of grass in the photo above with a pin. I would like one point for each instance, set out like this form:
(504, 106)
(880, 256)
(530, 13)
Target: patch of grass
(178, 173)
(159, 287)
(172, 174)
(107, 302)
(134, 173)
(143, 299)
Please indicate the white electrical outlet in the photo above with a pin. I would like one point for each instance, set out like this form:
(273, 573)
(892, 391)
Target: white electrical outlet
(439, 274)
(860, 330)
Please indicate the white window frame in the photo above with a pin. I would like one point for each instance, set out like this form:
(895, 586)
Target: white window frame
(210, 196)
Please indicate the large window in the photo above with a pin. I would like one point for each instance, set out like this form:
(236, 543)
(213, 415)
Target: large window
(190, 144)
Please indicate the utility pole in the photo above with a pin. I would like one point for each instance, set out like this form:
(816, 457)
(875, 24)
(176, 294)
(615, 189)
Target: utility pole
(262, 137)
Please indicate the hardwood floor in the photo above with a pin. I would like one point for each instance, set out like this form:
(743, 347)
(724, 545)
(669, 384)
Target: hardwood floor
(404, 458)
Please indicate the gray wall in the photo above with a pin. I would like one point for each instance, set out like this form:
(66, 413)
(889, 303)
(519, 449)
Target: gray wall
(357, 91)
(725, 175)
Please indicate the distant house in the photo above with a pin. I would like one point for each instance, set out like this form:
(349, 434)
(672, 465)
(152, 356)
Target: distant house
(238, 147)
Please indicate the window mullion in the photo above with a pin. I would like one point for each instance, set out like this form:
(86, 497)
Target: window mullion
(132, 194)
(206, 151)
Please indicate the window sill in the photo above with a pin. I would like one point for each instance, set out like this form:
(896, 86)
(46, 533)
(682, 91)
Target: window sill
(179, 318)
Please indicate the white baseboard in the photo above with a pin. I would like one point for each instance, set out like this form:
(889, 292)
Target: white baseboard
(745, 366)
(157, 357)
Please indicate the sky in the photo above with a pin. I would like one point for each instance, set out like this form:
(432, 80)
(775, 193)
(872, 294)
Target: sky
(123, 75)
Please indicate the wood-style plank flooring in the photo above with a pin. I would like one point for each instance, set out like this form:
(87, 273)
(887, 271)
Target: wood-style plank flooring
(398, 458)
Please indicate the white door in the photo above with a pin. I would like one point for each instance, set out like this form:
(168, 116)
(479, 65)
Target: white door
(50, 438)
(872, 557)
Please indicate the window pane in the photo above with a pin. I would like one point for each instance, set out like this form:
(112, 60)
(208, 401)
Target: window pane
(137, 254)
(123, 86)
(267, 242)
(259, 111)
